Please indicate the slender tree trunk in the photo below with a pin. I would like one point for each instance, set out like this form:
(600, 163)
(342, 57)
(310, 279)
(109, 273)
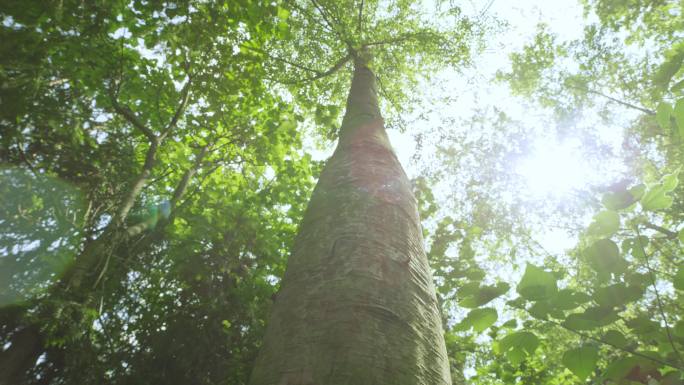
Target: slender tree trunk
(357, 303)
(80, 279)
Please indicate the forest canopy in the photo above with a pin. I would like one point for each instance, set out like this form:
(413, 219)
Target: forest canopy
(181, 180)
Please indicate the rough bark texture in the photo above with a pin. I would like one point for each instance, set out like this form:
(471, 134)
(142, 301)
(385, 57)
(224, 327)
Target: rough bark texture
(357, 303)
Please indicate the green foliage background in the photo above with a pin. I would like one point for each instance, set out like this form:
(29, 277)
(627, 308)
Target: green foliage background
(154, 173)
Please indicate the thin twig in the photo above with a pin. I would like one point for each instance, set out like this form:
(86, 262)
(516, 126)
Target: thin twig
(131, 117)
(659, 302)
(336, 67)
(613, 99)
(358, 29)
(669, 233)
(631, 351)
(327, 21)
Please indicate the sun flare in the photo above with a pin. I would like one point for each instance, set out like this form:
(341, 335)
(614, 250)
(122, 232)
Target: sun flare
(554, 167)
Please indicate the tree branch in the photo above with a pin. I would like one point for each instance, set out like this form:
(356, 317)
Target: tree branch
(132, 118)
(182, 186)
(178, 192)
(326, 18)
(312, 18)
(336, 67)
(659, 302)
(138, 184)
(358, 29)
(288, 62)
(670, 234)
(612, 99)
(399, 39)
(631, 351)
(185, 97)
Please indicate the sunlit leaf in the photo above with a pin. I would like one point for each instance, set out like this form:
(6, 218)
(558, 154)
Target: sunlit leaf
(473, 296)
(478, 320)
(618, 200)
(568, 299)
(617, 295)
(591, 318)
(605, 224)
(615, 338)
(678, 114)
(517, 345)
(581, 361)
(678, 279)
(656, 199)
(604, 257)
(537, 284)
(663, 113)
(678, 329)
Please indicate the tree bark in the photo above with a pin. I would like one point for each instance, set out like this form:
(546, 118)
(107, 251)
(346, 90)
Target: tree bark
(357, 303)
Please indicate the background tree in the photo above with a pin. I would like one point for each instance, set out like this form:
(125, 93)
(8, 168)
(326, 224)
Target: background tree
(125, 261)
(152, 116)
(608, 310)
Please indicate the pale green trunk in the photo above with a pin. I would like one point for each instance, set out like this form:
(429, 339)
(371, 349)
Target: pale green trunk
(357, 303)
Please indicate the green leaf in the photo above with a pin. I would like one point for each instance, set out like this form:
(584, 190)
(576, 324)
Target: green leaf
(601, 315)
(663, 113)
(615, 338)
(604, 257)
(473, 296)
(618, 200)
(517, 345)
(637, 191)
(578, 322)
(678, 280)
(524, 340)
(511, 323)
(537, 284)
(670, 181)
(619, 369)
(591, 318)
(568, 299)
(478, 320)
(635, 246)
(605, 224)
(678, 329)
(642, 325)
(581, 361)
(681, 236)
(679, 116)
(617, 295)
(516, 356)
(656, 199)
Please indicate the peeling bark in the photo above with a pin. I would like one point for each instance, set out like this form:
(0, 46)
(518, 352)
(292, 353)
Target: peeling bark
(357, 303)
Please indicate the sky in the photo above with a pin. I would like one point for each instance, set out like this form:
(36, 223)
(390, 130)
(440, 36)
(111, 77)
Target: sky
(553, 167)
(564, 17)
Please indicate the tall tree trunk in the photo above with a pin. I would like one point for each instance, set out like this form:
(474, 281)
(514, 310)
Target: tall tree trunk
(357, 303)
